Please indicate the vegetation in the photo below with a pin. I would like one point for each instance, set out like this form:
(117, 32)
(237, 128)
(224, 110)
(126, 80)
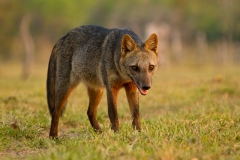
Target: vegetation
(50, 20)
(190, 113)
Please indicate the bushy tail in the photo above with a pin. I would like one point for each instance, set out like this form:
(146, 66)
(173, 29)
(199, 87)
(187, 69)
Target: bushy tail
(51, 77)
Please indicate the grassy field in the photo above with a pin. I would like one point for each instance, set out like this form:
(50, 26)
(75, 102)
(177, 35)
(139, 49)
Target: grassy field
(189, 113)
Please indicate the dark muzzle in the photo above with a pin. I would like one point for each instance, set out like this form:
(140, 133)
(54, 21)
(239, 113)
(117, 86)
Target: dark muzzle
(146, 87)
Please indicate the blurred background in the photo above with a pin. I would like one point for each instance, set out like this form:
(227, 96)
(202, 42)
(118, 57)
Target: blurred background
(191, 32)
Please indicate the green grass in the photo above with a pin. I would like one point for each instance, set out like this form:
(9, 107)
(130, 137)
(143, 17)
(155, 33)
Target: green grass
(190, 113)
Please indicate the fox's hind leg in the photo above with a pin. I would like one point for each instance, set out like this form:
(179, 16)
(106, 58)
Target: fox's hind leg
(133, 100)
(61, 95)
(95, 96)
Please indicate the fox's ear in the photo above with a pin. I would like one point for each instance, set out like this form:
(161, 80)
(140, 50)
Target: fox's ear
(152, 43)
(128, 44)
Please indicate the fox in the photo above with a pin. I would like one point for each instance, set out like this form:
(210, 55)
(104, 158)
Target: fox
(101, 59)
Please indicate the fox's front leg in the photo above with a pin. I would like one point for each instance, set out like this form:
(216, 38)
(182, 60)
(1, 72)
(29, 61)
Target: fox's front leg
(112, 107)
(133, 100)
(95, 96)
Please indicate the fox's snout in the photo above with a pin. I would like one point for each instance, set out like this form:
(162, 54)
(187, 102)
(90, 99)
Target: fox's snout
(146, 87)
(143, 83)
(143, 88)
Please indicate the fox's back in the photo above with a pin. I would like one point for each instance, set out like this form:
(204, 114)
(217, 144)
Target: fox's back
(83, 48)
(87, 56)
(89, 32)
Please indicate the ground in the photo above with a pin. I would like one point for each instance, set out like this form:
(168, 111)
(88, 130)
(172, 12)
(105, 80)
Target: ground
(191, 112)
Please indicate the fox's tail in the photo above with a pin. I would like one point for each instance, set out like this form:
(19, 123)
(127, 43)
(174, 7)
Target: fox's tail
(51, 78)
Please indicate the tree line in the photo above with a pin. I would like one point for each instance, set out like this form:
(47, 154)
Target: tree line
(50, 20)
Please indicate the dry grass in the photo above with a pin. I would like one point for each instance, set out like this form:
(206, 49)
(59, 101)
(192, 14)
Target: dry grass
(190, 113)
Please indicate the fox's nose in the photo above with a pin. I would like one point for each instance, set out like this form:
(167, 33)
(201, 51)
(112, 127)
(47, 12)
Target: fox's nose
(146, 87)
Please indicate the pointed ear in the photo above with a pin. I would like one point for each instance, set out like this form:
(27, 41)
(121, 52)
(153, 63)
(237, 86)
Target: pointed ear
(152, 43)
(128, 44)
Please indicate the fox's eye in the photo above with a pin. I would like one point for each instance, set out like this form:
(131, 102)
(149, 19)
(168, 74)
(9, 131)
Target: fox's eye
(135, 68)
(151, 67)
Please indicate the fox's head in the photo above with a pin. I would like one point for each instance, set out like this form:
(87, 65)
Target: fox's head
(140, 61)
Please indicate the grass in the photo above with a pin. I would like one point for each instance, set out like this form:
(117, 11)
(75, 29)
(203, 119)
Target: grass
(190, 113)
